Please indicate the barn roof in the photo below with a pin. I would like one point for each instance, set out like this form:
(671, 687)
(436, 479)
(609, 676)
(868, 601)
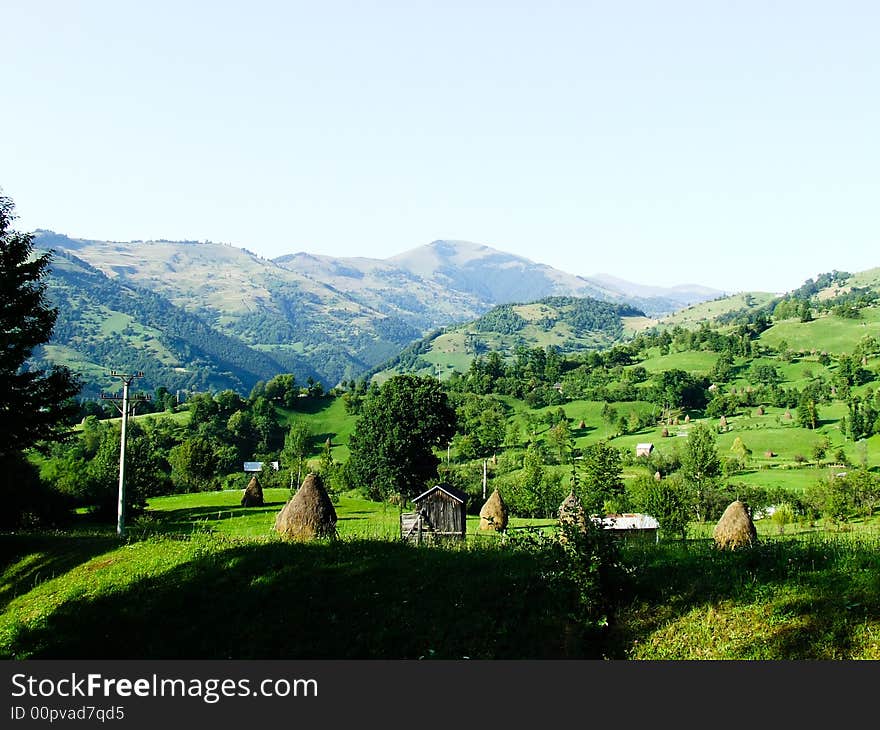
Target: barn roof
(629, 522)
(456, 494)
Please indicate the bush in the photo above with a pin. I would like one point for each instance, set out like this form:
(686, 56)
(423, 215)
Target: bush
(583, 567)
(28, 502)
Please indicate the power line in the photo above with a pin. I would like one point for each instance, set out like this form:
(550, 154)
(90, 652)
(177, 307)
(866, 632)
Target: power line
(126, 407)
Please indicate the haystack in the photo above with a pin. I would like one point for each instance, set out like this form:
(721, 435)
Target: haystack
(571, 512)
(253, 494)
(493, 515)
(310, 514)
(735, 529)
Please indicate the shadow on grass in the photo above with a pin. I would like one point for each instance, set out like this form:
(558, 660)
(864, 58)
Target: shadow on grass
(184, 518)
(27, 560)
(814, 594)
(310, 406)
(344, 600)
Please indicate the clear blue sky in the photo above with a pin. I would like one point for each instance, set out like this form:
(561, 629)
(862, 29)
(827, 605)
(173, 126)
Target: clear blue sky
(732, 144)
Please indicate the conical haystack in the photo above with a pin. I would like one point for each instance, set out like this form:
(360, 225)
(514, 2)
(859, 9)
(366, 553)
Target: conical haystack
(735, 529)
(493, 515)
(310, 514)
(253, 495)
(571, 512)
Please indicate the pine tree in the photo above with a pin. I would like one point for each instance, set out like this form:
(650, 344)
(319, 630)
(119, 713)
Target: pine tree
(34, 404)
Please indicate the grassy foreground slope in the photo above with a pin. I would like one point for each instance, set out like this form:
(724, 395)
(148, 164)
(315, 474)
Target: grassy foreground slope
(177, 593)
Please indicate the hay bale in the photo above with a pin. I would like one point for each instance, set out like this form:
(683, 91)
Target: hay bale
(253, 494)
(769, 454)
(493, 515)
(657, 476)
(687, 419)
(735, 529)
(309, 514)
(571, 512)
(787, 415)
(582, 425)
(759, 411)
(722, 421)
(664, 433)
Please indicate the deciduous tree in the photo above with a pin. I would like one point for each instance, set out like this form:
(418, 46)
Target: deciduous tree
(392, 446)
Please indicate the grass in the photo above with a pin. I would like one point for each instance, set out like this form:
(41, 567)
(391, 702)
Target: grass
(208, 596)
(222, 513)
(692, 361)
(202, 577)
(799, 598)
(827, 333)
(706, 311)
(326, 418)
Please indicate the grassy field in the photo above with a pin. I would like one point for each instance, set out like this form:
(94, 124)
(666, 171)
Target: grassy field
(815, 597)
(690, 361)
(200, 577)
(326, 418)
(222, 513)
(827, 333)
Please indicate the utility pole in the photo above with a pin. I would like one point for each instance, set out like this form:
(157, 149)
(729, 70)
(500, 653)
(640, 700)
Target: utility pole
(126, 408)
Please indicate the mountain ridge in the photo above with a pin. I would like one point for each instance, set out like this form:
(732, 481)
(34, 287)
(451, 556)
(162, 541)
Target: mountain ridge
(335, 318)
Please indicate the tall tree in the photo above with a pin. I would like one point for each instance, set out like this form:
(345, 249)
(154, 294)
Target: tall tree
(700, 465)
(392, 446)
(601, 477)
(34, 404)
(296, 448)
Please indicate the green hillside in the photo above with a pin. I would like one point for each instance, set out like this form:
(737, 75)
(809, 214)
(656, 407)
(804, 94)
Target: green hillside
(696, 314)
(826, 333)
(332, 319)
(566, 324)
(105, 324)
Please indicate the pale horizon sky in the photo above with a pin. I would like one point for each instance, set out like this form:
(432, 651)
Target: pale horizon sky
(729, 144)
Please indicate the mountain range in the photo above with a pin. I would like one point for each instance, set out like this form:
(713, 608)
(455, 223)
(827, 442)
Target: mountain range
(201, 315)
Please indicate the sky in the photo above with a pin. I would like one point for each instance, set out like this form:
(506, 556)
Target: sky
(730, 144)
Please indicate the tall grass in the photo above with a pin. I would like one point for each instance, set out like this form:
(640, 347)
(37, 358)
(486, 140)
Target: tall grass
(799, 597)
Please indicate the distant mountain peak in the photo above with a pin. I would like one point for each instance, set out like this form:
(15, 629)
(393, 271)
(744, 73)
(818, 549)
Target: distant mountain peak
(686, 293)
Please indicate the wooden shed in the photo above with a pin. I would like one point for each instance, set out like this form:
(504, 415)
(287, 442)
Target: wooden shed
(440, 513)
(644, 449)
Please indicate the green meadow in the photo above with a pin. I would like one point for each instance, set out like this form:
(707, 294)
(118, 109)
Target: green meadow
(198, 576)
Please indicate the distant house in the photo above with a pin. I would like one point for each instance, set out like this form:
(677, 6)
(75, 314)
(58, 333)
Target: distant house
(644, 449)
(440, 513)
(638, 526)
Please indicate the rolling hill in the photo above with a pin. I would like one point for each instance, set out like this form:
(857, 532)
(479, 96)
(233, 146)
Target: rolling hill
(105, 324)
(570, 324)
(331, 319)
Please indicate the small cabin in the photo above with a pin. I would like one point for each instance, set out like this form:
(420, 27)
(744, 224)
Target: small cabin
(440, 513)
(630, 526)
(644, 449)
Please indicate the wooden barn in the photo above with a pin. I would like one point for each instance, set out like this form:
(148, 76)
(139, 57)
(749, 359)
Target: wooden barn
(440, 513)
